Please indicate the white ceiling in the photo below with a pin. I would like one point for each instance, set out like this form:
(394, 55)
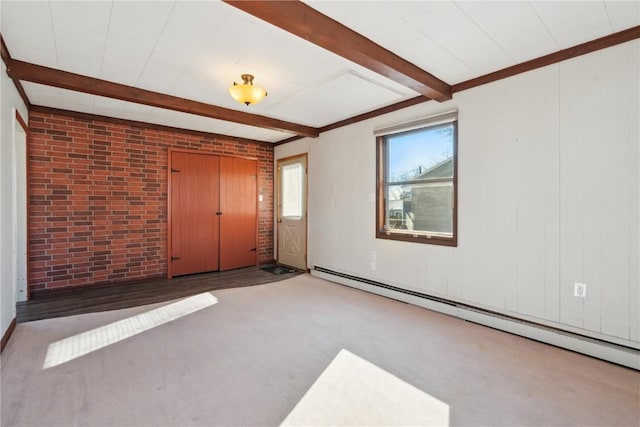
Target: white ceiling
(196, 49)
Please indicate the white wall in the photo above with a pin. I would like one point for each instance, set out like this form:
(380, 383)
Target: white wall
(10, 101)
(548, 195)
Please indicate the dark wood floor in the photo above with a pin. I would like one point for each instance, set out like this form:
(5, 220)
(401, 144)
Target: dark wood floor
(88, 300)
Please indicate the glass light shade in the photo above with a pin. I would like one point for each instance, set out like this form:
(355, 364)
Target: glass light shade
(247, 93)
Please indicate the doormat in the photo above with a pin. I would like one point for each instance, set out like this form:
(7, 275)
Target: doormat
(278, 269)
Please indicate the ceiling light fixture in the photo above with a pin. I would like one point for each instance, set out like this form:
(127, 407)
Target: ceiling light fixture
(247, 93)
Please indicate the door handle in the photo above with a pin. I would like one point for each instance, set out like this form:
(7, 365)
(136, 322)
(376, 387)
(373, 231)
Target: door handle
(173, 258)
(218, 213)
(279, 220)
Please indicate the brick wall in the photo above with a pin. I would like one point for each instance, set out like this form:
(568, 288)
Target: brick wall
(98, 197)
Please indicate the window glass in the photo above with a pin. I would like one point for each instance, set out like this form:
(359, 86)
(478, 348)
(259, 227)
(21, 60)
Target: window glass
(292, 190)
(413, 154)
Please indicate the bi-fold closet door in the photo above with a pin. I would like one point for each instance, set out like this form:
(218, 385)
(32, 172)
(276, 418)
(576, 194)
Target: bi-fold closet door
(213, 213)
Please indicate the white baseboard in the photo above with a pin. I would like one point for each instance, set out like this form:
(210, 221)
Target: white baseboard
(610, 352)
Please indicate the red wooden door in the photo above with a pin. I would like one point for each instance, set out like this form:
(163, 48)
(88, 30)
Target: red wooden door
(238, 203)
(195, 200)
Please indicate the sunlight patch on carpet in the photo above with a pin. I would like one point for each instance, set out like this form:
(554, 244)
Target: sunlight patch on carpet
(86, 342)
(355, 392)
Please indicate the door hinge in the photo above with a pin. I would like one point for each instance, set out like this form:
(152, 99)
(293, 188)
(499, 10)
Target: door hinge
(175, 170)
(218, 213)
(173, 258)
(252, 250)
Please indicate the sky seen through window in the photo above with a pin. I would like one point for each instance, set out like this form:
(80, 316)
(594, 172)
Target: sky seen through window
(414, 152)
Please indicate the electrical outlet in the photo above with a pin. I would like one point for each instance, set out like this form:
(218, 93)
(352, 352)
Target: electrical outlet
(580, 290)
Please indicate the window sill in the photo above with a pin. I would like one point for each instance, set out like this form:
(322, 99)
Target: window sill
(418, 238)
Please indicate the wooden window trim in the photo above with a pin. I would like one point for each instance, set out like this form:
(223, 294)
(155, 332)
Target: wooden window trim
(381, 233)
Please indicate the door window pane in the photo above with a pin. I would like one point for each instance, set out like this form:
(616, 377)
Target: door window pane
(292, 190)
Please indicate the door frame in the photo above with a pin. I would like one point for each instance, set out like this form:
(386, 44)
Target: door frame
(24, 178)
(276, 205)
(170, 152)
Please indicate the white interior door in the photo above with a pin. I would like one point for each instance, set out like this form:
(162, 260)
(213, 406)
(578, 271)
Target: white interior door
(292, 211)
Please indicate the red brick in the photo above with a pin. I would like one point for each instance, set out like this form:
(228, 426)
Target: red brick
(98, 202)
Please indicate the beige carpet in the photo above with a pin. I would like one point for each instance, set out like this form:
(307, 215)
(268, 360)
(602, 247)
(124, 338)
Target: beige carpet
(299, 352)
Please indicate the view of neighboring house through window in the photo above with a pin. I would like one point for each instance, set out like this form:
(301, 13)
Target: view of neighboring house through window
(417, 182)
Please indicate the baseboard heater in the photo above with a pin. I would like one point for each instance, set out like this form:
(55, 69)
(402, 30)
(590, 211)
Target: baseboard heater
(610, 351)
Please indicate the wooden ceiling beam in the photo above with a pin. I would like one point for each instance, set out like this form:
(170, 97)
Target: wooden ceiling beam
(6, 58)
(605, 42)
(552, 58)
(25, 71)
(303, 21)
